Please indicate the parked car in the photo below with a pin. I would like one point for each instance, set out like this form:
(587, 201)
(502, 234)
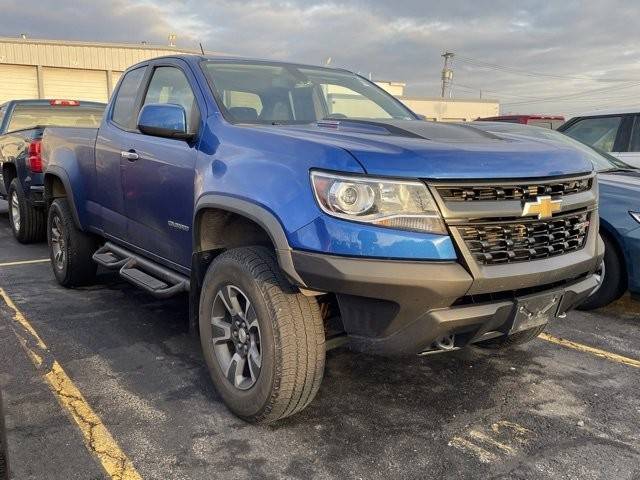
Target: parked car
(616, 132)
(546, 121)
(294, 201)
(619, 209)
(21, 125)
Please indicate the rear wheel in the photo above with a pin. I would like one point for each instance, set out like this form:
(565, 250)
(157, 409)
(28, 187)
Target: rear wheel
(70, 249)
(27, 221)
(512, 340)
(262, 340)
(612, 279)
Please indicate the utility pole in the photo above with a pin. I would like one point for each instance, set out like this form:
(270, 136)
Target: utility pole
(447, 72)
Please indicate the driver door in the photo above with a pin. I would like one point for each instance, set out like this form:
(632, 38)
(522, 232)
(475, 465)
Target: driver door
(158, 176)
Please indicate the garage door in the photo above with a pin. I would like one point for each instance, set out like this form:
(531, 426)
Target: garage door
(75, 84)
(17, 81)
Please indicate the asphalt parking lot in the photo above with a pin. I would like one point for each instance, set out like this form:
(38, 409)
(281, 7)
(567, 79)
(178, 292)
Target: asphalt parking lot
(545, 410)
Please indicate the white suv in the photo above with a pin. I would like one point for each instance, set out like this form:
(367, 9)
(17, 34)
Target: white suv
(616, 132)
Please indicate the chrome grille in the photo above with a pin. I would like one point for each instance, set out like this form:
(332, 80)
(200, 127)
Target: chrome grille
(525, 240)
(525, 191)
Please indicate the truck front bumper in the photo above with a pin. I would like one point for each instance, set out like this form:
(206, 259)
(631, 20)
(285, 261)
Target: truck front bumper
(402, 307)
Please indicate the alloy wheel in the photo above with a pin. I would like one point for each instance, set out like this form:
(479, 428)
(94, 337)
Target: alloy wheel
(236, 337)
(15, 211)
(599, 275)
(58, 242)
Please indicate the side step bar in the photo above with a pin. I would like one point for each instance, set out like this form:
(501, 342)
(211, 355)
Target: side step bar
(159, 281)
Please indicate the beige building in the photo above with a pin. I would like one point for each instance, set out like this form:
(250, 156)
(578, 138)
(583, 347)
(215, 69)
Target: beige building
(452, 110)
(63, 69)
(394, 88)
(443, 109)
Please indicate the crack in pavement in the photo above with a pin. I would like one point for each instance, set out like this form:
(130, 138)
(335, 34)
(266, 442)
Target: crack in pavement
(97, 438)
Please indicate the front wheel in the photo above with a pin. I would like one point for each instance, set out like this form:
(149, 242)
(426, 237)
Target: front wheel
(262, 340)
(70, 249)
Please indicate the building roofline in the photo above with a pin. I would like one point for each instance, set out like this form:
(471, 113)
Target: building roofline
(390, 82)
(76, 43)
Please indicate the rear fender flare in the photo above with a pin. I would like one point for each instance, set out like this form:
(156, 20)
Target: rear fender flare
(61, 174)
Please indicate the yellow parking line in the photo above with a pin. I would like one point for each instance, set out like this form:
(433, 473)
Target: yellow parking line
(97, 438)
(24, 262)
(614, 357)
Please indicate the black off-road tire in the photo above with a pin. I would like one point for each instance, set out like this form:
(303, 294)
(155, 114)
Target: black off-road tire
(613, 280)
(291, 330)
(32, 222)
(77, 267)
(512, 340)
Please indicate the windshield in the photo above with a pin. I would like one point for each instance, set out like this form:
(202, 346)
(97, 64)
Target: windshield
(601, 161)
(30, 116)
(275, 93)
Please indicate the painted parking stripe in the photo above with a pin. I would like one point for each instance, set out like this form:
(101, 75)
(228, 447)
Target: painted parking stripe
(24, 262)
(97, 438)
(613, 357)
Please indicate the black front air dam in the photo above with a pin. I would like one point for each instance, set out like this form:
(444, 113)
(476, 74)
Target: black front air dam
(399, 307)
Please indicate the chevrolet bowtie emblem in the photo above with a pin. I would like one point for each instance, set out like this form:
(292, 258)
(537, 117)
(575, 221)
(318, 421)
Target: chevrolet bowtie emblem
(543, 207)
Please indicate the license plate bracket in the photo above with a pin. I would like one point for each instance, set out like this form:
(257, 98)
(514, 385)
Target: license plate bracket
(535, 310)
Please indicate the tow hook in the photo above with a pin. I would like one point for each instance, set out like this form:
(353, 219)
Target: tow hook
(442, 344)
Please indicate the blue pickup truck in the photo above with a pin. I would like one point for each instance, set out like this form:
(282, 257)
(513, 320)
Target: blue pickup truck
(22, 123)
(302, 207)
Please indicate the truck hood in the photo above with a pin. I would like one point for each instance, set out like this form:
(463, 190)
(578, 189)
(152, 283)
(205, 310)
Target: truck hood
(431, 150)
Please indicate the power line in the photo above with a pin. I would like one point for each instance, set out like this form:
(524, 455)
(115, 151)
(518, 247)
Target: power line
(495, 92)
(564, 98)
(529, 73)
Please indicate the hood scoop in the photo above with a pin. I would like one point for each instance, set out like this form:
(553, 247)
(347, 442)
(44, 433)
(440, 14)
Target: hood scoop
(425, 130)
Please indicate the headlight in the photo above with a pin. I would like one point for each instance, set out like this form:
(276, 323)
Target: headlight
(387, 203)
(636, 216)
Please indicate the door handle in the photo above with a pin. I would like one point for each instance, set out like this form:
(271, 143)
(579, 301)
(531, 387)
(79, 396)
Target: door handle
(130, 155)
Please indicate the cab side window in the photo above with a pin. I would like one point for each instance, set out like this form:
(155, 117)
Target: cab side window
(170, 85)
(125, 101)
(599, 132)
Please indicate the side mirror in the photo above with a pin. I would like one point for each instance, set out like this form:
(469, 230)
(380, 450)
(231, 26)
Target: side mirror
(164, 120)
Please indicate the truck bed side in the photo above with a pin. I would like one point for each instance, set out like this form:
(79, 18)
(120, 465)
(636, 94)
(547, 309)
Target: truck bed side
(14, 147)
(68, 155)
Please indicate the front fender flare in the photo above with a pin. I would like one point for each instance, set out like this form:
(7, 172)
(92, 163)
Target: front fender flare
(260, 215)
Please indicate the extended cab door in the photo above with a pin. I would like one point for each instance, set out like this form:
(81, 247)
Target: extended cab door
(158, 175)
(114, 136)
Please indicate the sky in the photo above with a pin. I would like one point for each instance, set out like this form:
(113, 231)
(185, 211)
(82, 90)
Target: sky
(534, 56)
